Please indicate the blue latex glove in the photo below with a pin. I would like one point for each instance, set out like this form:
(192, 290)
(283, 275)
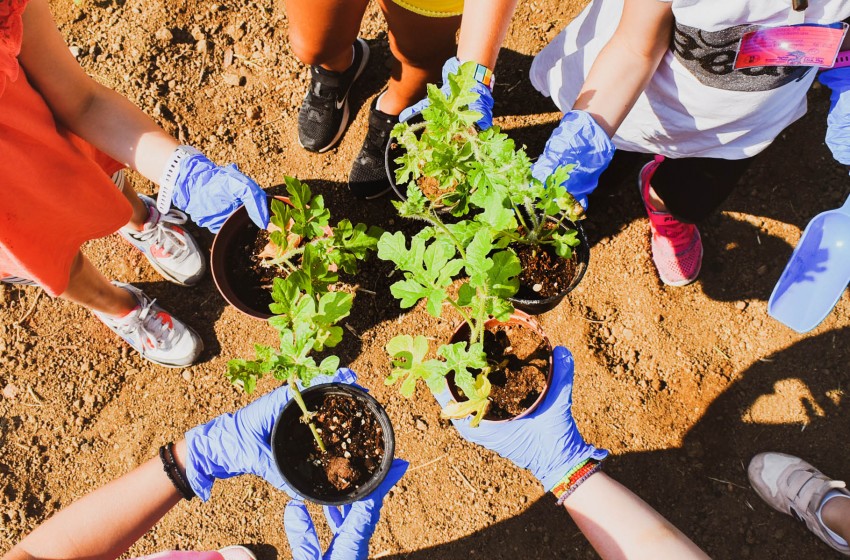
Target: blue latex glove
(352, 525)
(240, 443)
(547, 441)
(581, 141)
(210, 194)
(484, 105)
(838, 120)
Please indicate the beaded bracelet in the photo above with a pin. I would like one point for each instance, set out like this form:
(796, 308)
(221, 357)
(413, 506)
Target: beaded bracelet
(177, 478)
(573, 479)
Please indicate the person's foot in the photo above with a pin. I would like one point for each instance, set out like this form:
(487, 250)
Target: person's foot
(676, 246)
(170, 249)
(154, 333)
(237, 552)
(325, 112)
(792, 486)
(368, 176)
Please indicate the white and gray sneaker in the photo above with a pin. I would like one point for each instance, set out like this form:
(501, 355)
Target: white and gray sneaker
(794, 487)
(154, 333)
(170, 249)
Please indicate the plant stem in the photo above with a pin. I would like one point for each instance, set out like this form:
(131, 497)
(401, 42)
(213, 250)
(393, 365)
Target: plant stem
(307, 416)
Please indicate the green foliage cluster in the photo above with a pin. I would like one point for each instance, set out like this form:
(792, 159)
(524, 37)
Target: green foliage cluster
(486, 181)
(306, 310)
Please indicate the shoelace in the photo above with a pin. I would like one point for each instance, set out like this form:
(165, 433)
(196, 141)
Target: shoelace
(161, 235)
(148, 326)
(376, 139)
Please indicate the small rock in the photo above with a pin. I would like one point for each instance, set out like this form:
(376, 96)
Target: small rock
(255, 112)
(76, 51)
(164, 34)
(741, 305)
(228, 58)
(10, 391)
(524, 499)
(202, 46)
(421, 425)
(187, 375)
(537, 287)
(234, 80)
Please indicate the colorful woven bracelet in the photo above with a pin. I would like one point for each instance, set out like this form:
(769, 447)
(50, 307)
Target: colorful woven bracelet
(573, 479)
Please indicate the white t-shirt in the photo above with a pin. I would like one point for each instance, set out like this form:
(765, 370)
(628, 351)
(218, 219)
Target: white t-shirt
(696, 104)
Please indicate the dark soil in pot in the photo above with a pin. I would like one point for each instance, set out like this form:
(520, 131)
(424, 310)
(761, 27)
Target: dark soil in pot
(249, 279)
(358, 438)
(522, 377)
(553, 275)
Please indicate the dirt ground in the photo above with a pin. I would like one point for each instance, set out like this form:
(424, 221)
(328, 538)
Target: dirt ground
(683, 385)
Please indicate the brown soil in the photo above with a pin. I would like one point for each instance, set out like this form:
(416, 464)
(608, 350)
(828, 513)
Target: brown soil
(250, 280)
(682, 385)
(353, 442)
(542, 267)
(521, 380)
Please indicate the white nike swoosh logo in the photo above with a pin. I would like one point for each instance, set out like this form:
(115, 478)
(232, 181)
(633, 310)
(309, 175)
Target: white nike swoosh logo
(339, 104)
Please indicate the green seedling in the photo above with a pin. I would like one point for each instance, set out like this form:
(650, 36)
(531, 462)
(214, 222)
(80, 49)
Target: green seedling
(306, 310)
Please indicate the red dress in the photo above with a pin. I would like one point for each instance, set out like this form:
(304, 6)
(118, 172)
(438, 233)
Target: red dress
(55, 188)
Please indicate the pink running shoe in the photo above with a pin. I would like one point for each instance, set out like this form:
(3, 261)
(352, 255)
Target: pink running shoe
(676, 246)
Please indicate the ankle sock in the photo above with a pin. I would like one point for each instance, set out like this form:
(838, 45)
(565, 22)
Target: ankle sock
(830, 495)
(378, 101)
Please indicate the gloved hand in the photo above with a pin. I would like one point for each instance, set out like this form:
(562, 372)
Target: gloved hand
(838, 120)
(547, 441)
(484, 105)
(240, 443)
(352, 525)
(210, 194)
(581, 141)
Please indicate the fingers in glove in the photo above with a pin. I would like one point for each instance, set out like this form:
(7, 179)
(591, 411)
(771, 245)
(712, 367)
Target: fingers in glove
(300, 532)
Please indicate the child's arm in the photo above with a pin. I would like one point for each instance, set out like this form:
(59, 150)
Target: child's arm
(92, 111)
(483, 29)
(207, 192)
(626, 64)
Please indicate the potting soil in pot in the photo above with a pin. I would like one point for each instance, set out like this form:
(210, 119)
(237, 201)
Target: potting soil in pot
(251, 281)
(354, 444)
(519, 382)
(542, 267)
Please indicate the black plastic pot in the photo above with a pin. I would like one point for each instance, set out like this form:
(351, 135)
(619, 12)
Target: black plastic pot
(296, 475)
(525, 299)
(221, 269)
(519, 318)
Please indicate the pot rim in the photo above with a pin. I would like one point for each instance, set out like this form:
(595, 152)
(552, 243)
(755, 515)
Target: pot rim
(370, 405)
(583, 261)
(218, 265)
(517, 318)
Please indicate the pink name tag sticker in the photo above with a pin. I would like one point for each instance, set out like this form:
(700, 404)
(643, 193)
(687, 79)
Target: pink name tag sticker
(793, 45)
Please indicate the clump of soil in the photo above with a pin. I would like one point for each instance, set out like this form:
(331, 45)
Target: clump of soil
(354, 443)
(543, 268)
(250, 280)
(520, 377)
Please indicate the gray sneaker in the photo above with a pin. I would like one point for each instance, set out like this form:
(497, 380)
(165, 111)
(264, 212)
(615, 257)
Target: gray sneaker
(154, 333)
(170, 249)
(793, 486)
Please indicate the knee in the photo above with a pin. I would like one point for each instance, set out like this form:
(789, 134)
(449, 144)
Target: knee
(313, 53)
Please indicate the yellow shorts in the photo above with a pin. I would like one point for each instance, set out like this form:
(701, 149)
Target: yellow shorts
(433, 8)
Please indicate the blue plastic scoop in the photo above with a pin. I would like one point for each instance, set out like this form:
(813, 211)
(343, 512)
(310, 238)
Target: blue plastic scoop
(817, 274)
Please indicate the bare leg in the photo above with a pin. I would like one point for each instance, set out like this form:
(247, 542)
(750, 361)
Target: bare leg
(321, 32)
(140, 211)
(656, 201)
(836, 516)
(619, 525)
(91, 289)
(420, 46)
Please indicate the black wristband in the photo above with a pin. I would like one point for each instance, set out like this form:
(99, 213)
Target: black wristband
(169, 465)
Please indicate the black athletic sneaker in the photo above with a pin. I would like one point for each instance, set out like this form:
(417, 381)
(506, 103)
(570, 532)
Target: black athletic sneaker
(324, 113)
(368, 176)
